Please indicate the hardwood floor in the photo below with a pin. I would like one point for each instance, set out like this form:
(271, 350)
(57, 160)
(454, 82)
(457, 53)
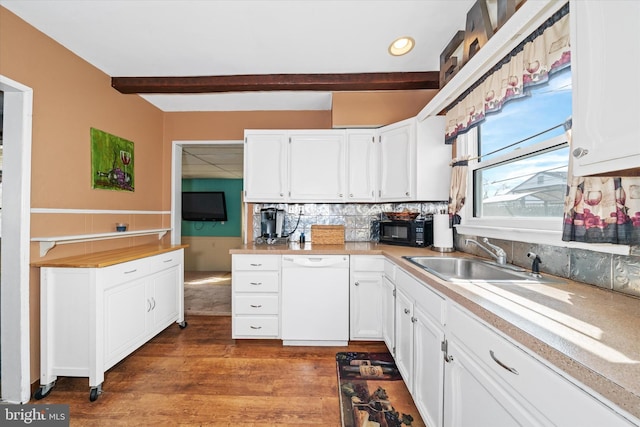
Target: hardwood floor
(199, 376)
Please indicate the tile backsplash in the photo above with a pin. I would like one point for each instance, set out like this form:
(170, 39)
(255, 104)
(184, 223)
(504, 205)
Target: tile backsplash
(356, 217)
(619, 273)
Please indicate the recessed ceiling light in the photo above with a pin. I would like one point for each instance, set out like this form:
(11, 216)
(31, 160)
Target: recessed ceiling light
(401, 46)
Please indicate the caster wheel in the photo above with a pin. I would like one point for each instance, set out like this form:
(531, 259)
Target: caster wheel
(43, 391)
(183, 324)
(93, 394)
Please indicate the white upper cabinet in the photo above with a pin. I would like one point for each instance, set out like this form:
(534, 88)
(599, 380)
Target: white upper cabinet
(265, 166)
(433, 157)
(605, 57)
(404, 161)
(317, 166)
(362, 156)
(397, 172)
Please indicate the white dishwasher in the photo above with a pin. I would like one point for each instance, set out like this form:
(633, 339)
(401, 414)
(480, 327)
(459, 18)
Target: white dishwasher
(315, 300)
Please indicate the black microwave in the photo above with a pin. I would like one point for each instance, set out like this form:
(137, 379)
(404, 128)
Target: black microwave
(418, 232)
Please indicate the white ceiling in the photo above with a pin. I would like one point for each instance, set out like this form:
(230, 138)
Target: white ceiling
(159, 38)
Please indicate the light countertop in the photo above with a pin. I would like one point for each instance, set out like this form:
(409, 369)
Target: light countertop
(589, 333)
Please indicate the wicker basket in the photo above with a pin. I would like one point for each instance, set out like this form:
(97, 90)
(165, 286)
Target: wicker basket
(327, 234)
(404, 216)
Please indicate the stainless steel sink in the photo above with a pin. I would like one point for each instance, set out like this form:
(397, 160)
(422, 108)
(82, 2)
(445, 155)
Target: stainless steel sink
(454, 269)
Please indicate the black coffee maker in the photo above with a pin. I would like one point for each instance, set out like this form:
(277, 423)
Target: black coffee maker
(271, 222)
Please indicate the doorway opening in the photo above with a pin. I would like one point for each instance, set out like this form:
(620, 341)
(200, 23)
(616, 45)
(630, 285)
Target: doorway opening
(208, 166)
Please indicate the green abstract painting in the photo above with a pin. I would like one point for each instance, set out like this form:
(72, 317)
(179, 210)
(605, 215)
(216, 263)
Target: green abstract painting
(112, 165)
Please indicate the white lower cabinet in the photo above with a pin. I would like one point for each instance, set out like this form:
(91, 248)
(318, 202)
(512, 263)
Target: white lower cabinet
(462, 372)
(366, 297)
(388, 313)
(255, 301)
(418, 344)
(473, 398)
(93, 317)
(491, 381)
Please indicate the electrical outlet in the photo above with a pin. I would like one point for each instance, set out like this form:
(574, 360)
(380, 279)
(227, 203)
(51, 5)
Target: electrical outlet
(292, 209)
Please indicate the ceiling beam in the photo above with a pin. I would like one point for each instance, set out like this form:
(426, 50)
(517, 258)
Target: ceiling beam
(283, 82)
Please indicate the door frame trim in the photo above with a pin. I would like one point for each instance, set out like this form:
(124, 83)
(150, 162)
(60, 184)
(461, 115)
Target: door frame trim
(16, 223)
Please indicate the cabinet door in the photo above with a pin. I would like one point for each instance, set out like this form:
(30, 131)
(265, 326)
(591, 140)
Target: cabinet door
(366, 306)
(125, 319)
(404, 337)
(605, 94)
(433, 173)
(317, 166)
(265, 166)
(388, 314)
(428, 365)
(398, 161)
(473, 398)
(361, 165)
(164, 299)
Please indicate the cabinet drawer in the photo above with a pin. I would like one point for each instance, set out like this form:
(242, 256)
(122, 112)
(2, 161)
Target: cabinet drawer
(531, 376)
(367, 263)
(255, 326)
(256, 262)
(166, 260)
(255, 304)
(123, 272)
(255, 282)
(431, 303)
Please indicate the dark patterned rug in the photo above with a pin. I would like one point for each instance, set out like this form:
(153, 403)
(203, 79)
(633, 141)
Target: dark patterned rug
(372, 392)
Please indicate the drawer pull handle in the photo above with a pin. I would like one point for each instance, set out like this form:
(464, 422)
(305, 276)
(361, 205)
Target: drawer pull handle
(407, 311)
(255, 283)
(131, 271)
(256, 265)
(508, 368)
(168, 260)
(256, 327)
(256, 305)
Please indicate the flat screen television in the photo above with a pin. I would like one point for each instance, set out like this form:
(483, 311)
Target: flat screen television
(204, 206)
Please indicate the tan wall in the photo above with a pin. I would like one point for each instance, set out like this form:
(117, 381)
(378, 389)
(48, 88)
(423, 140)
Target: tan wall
(209, 253)
(374, 109)
(69, 97)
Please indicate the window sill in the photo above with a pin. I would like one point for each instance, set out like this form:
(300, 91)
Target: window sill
(538, 236)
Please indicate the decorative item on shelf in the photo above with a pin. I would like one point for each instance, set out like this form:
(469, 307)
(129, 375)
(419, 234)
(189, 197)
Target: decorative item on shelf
(401, 216)
(120, 226)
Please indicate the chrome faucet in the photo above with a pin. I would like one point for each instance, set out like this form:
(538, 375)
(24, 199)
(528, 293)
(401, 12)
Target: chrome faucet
(535, 264)
(500, 255)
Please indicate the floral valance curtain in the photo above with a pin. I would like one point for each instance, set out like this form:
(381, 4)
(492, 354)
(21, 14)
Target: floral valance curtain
(544, 52)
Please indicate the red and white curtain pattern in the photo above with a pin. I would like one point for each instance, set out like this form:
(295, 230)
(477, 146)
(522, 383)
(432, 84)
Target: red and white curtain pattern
(544, 52)
(601, 209)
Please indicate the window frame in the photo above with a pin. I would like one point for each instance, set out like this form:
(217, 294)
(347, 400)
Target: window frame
(546, 231)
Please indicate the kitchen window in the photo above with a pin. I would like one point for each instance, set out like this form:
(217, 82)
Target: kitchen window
(518, 177)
